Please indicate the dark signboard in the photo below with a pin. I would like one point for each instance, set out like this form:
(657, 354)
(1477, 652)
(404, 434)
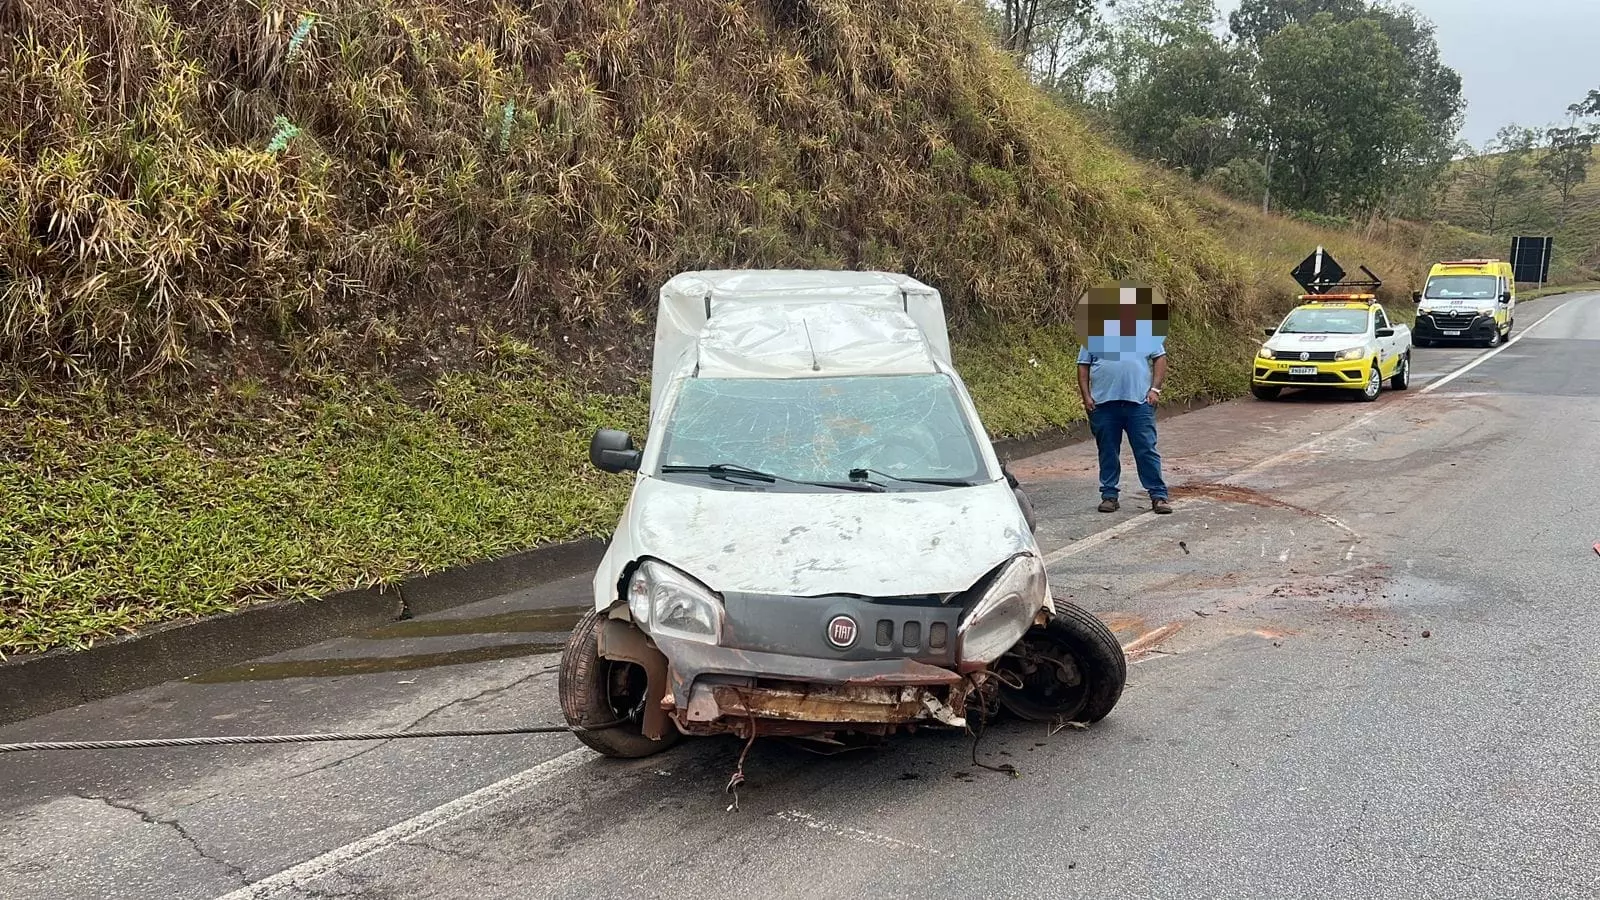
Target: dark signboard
(1530, 258)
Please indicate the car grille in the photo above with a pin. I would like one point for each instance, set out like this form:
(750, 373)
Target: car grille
(1310, 356)
(1453, 321)
(1319, 378)
(920, 628)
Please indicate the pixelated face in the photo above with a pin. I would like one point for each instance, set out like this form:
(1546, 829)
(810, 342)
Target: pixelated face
(1118, 318)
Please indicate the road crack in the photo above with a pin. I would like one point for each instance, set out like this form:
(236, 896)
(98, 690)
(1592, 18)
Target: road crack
(486, 692)
(151, 819)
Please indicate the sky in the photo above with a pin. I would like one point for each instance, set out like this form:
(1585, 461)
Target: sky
(1522, 61)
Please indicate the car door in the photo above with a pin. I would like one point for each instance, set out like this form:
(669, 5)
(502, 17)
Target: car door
(1386, 353)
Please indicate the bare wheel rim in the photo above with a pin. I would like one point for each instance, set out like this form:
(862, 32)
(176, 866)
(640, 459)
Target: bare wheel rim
(1052, 681)
(625, 687)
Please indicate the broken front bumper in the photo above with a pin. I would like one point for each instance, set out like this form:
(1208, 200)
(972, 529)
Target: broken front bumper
(717, 689)
(706, 689)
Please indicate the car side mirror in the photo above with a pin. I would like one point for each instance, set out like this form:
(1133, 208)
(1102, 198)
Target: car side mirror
(1385, 332)
(1505, 297)
(1416, 296)
(613, 451)
(1270, 331)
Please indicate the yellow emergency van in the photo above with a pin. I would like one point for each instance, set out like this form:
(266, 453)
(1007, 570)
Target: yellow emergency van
(1466, 300)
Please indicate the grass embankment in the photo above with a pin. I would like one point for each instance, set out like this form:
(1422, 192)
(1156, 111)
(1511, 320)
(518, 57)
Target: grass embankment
(305, 296)
(1536, 293)
(1539, 211)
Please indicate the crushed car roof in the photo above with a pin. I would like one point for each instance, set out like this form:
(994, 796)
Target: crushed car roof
(744, 298)
(814, 340)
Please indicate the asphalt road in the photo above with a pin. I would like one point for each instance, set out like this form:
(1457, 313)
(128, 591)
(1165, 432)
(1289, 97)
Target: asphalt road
(1369, 671)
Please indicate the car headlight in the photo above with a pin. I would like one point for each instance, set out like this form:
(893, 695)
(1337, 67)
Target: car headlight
(1004, 613)
(1352, 353)
(1266, 353)
(666, 602)
(1487, 311)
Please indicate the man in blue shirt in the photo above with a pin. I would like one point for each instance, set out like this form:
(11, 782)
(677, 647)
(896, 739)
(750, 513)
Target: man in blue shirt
(1120, 372)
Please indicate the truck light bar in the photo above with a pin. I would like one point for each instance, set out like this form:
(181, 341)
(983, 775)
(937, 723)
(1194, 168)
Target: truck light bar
(1468, 262)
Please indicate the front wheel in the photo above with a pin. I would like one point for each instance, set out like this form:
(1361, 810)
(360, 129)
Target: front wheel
(1069, 669)
(1265, 391)
(1494, 338)
(1374, 383)
(1402, 374)
(597, 692)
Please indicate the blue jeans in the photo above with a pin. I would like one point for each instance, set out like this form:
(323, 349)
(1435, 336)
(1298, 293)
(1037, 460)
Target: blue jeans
(1108, 422)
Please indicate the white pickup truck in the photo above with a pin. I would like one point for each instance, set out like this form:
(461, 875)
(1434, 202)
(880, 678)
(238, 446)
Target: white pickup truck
(1334, 341)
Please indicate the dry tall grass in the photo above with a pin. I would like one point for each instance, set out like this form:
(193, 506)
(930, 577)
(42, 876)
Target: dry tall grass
(334, 173)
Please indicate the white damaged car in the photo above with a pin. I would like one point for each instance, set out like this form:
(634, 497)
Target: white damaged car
(821, 541)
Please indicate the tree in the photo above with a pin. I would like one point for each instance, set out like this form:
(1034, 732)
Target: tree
(1565, 163)
(1498, 179)
(1589, 106)
(1053, 40)
(1256, 20)
(1336, 113)
(1187, 110)
(1021, 22)
(1426, 97)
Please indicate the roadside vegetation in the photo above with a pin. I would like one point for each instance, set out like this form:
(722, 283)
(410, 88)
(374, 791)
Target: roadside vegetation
(296, 297)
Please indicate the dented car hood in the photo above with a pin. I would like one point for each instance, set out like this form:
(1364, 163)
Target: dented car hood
(830, 542)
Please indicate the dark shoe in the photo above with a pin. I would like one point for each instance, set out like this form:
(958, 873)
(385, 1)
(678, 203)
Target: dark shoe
(1161, 506)
(1110, 504)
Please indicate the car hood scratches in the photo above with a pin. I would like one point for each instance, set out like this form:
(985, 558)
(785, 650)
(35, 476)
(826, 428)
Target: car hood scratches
(810, 544)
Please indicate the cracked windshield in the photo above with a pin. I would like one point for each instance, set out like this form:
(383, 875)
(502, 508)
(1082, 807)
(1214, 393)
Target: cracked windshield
(818, 429)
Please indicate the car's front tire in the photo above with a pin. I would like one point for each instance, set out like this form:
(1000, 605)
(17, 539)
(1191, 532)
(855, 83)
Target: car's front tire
(1071, 669)
(598, 692)
(1266, 391)
(1374, 384)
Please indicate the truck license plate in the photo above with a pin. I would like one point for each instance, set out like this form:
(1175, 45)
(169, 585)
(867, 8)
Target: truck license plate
(1302, 370)
(1452, 334)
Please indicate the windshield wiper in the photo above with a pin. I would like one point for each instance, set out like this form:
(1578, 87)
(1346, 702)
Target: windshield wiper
(723, 470)
(860, 475)
(731, 470)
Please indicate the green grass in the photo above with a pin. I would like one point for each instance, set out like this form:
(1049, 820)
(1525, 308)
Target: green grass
(1576, 231)
(123, 514)
(1551, 291)
(295, 296)
(126, 508)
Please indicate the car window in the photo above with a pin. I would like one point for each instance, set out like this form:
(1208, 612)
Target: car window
(818, 429)
(1380, 319)
(1321, 320)
(1461, 287)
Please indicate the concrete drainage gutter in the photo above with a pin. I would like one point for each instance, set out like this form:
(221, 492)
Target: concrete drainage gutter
(36, 684)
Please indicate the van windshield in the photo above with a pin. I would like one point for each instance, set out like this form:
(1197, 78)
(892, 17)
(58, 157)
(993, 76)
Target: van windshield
(1462, 287)
(819, 429)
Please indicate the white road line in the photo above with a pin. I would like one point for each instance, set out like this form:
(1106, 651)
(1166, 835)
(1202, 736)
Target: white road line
(1435, 385)
(855, 834)
(319, 866)
(1100, 537)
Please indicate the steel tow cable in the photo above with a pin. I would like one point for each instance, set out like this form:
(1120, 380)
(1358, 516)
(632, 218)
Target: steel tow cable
(226, 740)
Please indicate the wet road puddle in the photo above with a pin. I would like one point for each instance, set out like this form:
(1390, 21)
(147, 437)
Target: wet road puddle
(366, 665)
(554, 621)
